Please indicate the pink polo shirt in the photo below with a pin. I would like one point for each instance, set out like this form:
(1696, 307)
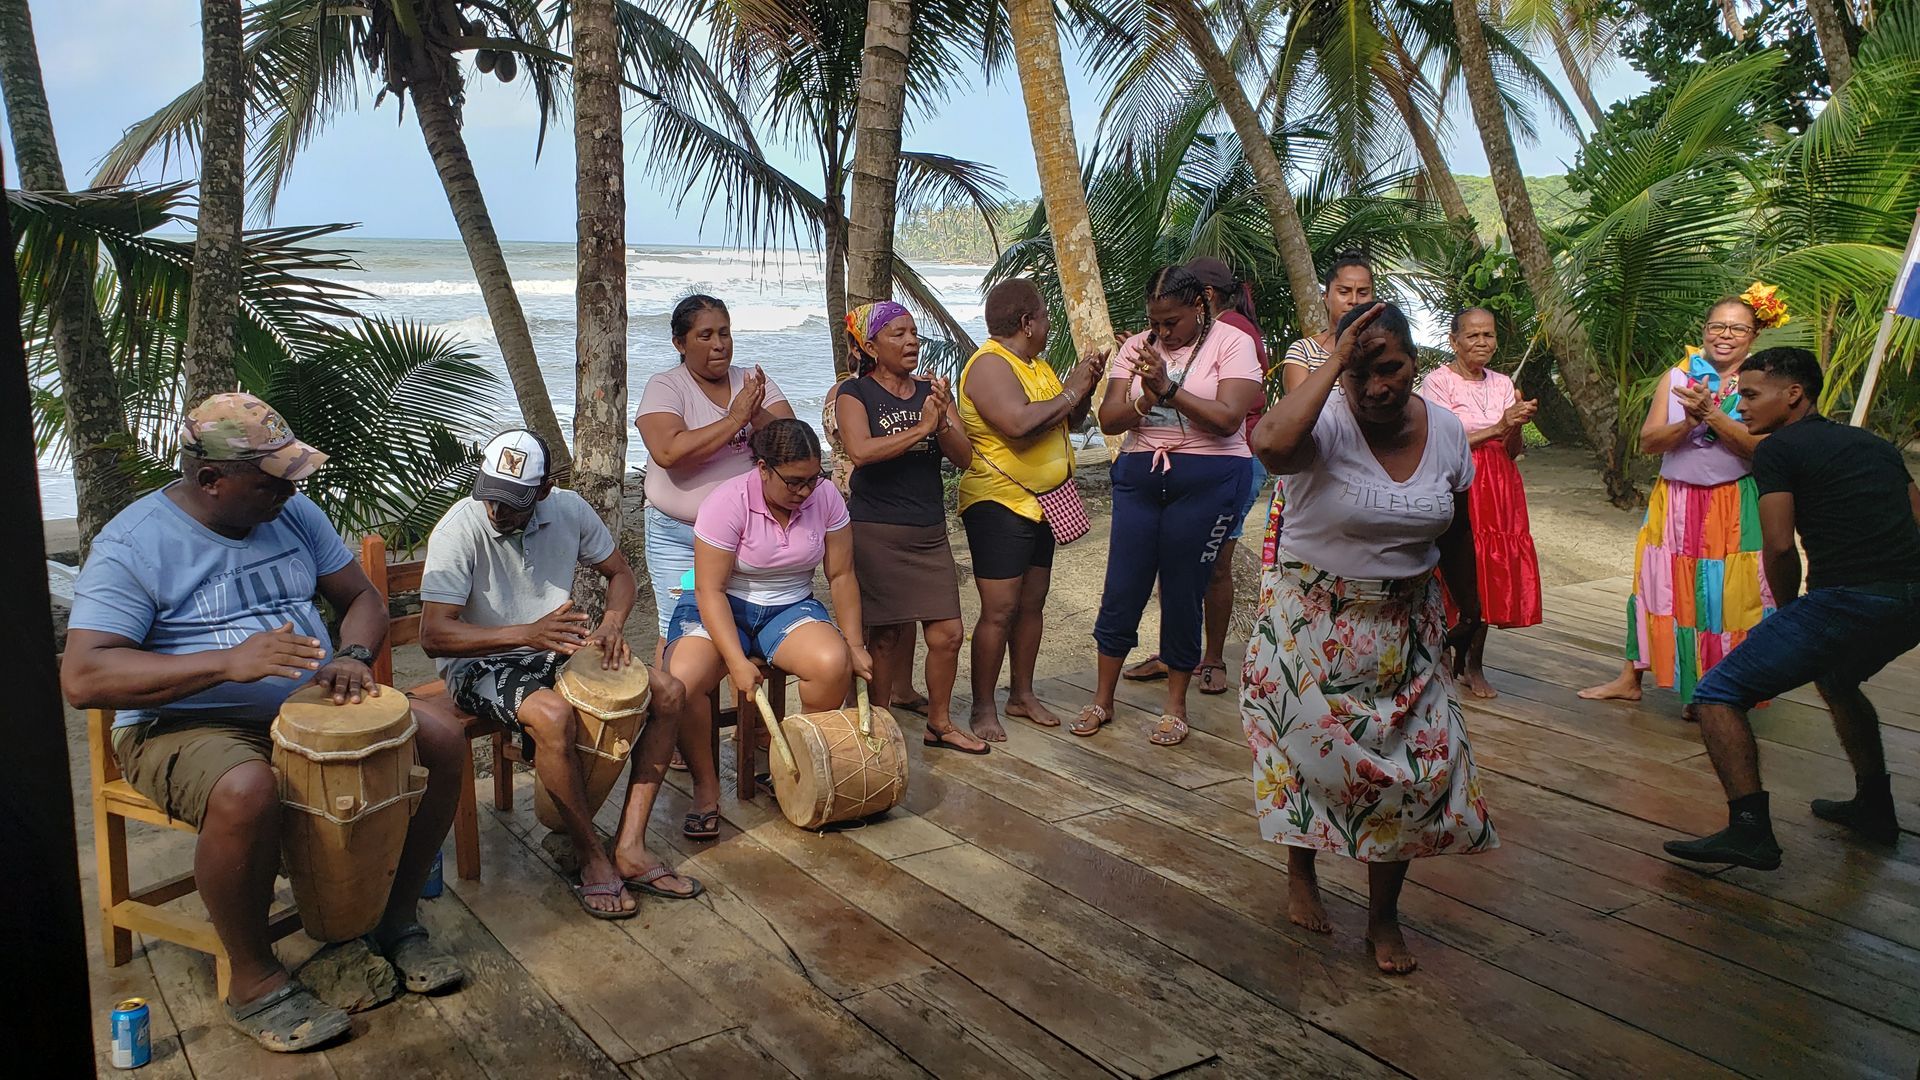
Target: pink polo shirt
(1227, 353)
(773, 564)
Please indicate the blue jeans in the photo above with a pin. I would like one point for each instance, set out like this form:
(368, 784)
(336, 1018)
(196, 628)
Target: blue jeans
(1256, 479)
(761, 627)
(1167, 525)
(1836, 637)
(669, 558)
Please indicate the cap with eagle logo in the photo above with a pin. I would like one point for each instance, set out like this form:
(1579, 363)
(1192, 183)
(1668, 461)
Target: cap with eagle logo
(512, 468)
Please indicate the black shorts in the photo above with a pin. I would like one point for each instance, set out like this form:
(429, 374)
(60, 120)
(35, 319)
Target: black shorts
(1004, 544)
(494, 687)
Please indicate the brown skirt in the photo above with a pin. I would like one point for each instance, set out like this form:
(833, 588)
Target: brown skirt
(906, 573)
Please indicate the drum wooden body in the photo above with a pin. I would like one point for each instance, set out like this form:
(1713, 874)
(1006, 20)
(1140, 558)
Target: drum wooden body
(349, 784)
(612, 706)
(837, 765)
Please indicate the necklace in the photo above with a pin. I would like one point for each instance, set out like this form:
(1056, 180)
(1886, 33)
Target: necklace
(1482, 388)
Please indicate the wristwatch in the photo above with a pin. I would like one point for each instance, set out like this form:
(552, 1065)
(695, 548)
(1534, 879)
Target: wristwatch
(356, 652)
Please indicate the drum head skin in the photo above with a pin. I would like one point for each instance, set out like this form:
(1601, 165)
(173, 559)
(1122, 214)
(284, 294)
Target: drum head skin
(604, 693)
(310, 720)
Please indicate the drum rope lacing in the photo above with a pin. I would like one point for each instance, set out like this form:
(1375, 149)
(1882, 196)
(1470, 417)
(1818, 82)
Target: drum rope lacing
(369, 750)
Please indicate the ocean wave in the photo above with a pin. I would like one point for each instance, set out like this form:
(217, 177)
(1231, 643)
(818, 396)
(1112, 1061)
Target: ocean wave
(525, 287)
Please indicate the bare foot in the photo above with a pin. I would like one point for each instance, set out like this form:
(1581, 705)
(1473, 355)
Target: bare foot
(955, 737)
(1390, 949)
(1030, 709)
(986, 724)
(1304, 907)
(1476, 683)
(1624, 688)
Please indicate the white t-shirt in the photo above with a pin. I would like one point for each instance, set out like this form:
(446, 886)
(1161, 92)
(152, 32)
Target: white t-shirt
(1346, 516)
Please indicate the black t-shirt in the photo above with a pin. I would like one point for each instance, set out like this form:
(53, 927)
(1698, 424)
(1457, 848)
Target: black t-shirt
(1850, 501)
(899, 491)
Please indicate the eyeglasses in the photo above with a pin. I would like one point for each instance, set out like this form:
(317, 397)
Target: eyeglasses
(1730, 329)
(805, 483)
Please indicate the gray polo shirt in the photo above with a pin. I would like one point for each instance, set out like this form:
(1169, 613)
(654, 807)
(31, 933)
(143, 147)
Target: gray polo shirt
(510, 580)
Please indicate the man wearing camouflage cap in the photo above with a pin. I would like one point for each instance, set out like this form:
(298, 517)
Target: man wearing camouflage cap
(194, 619)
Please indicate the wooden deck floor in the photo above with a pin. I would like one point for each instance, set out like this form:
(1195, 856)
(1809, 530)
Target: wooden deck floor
(1084, 907)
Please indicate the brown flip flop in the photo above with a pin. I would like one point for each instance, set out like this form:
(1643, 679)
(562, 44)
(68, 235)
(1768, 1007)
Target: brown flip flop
(1089, 722)
(1170, 731)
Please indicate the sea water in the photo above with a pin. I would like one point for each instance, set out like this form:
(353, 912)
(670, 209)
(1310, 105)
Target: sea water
(777, 300)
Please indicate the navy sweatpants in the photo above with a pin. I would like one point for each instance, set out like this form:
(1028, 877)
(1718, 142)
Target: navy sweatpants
(1167, 525)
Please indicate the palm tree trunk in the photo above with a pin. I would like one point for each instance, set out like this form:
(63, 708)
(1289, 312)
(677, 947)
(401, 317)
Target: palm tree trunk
(440, 125)
(1433, 163)
(876, 150)
(835, 269)
(1580, 369)
(1830, 26)
(1289, 235)
(1731, 16)
(215, 300)
(96, 422)
(1043, 84)
(1576, 75)
(600, 290)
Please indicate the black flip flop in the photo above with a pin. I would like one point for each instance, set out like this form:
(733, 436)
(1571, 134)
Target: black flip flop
(938, 743)
(699, 826)
(645, 883)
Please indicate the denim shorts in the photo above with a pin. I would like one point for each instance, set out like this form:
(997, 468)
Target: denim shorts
(761, 627)
(1836, 637)
(1255, 481)
(669, 558)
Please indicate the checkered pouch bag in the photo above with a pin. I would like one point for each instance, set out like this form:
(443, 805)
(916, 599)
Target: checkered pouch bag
(1061, 507)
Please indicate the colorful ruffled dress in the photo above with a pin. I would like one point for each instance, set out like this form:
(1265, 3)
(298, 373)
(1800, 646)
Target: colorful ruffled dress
(1698, 586)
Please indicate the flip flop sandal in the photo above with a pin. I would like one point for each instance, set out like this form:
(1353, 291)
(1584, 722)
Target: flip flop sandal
(699, 826)
(1089, 722)
(1152, 669)
(916, 705)
(288, 1020)
(937, 740)
(422, 968)
(677, 763)
(645, 884)
(604, 888)
(1206, 679)
(1170, 731)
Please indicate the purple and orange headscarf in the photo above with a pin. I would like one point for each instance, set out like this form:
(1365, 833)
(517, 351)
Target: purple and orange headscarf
(866, 321)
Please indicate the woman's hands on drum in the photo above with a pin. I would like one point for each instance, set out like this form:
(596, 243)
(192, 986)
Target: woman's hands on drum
(562, 630)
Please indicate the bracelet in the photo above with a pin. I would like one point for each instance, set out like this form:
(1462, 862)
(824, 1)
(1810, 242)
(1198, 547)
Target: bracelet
(1172, 389)
(1142, 413)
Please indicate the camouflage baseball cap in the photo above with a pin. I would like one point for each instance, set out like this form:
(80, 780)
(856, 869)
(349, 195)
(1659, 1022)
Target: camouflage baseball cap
(241, 427)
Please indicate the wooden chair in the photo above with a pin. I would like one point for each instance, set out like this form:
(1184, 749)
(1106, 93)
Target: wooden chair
(123, 911)
(746, 721)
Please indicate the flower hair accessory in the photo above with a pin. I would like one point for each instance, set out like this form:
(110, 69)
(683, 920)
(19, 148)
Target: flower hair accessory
(1769, 310)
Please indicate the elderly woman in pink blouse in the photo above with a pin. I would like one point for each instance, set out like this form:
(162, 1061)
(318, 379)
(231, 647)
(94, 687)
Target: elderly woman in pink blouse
(1494, 414)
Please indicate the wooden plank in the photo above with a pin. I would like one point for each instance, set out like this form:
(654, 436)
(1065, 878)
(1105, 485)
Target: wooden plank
(405, 1037)
(1216, 740)
(505, 1020)
(953, 1029)
(1090, 1017)
(730, 1055)
(1379, 1022)
(1124, 740)
(110, 985)
(1039, 792)
(621, 998)
(211, 1046)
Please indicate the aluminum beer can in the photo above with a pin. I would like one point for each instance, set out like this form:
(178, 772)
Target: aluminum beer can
(132, 1041)
(436, 882)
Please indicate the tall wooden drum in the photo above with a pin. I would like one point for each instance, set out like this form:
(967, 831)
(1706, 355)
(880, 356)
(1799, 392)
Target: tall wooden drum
(350, 782)
(612, 706)
(837, 765)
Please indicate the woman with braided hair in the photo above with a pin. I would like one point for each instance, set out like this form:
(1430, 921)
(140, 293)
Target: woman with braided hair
(1181, 393)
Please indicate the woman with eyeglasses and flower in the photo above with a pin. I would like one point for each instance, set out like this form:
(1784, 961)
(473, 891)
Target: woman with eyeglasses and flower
(1697, 580)
(756, 543)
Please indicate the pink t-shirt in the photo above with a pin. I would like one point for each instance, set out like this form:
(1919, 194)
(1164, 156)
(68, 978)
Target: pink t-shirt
(679, 491)
(1479, 404)
(1227, 353)
(773, 564)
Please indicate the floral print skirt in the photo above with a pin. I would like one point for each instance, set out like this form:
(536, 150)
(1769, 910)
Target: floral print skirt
(1358, 743)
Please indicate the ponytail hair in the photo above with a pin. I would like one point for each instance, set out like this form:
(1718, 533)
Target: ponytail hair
(783, 442)
(1346, 259)
(681, 322)
(1177, 283)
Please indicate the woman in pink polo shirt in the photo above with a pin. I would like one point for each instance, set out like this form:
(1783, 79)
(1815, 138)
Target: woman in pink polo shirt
(756, 543)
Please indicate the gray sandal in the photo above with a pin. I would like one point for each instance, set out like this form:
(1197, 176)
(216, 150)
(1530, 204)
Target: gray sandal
(422, 968)
(288, 1020)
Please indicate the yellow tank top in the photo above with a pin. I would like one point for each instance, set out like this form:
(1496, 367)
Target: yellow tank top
(1040, 463)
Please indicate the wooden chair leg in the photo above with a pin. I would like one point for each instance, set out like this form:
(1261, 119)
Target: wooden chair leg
(746, 722)
(222, 975)
(502, 775)
(466, 826)
(110, 849)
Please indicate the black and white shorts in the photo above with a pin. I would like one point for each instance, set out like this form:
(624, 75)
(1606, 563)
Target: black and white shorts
(494, 687)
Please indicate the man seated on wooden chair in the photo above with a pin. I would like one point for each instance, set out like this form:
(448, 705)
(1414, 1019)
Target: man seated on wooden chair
(497, 614)
(194, 618)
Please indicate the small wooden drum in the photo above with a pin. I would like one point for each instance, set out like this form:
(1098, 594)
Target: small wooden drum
(613, 708)
(350, 781)
(837, 765)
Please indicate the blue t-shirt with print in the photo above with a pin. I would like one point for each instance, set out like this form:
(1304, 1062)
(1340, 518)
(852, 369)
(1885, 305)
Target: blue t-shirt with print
(158, 577)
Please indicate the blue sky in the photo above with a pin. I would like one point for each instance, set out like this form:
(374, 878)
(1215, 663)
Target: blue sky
(109, 63)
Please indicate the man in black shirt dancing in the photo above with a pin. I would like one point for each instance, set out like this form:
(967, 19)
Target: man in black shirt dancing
(1857, 510)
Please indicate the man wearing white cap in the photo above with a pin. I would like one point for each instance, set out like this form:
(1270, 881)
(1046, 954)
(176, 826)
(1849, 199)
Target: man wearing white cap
(498, 619)
(194, 619)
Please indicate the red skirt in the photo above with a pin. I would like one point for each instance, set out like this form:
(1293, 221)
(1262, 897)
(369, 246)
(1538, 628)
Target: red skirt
(1509, 569)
